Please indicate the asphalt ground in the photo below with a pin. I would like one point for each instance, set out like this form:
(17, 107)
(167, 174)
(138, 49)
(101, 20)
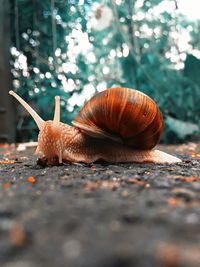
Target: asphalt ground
(99, 215)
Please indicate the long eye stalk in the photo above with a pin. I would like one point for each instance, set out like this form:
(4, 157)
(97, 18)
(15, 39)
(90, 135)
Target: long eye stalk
(56, 118)
(32, 112)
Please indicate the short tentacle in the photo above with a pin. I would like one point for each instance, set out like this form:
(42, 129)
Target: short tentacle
(56, 118)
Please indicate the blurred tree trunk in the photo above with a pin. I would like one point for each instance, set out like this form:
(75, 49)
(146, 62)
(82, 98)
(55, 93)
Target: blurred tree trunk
(7, 112)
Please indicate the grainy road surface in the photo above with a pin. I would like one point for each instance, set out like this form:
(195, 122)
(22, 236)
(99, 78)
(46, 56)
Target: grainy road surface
(100, 215)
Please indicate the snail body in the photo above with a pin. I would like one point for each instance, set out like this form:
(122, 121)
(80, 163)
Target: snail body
(116, 125)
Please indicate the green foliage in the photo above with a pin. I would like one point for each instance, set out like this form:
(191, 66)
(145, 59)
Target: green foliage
(182, 130)
(57, 50)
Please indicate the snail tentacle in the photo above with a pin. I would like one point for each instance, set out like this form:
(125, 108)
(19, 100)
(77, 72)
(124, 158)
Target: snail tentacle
(39, 121)
(56, 119)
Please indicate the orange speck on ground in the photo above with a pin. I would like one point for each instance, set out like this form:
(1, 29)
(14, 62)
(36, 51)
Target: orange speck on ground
(172, 202)
(138, 182)
(31, 179)
(7, 161)
(17, 235)
(5, 185)
(186, 179)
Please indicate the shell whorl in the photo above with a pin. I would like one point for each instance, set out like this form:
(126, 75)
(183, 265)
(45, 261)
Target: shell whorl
(123, 114)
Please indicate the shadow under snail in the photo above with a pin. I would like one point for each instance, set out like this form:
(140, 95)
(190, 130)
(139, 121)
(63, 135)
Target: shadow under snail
(115, 125)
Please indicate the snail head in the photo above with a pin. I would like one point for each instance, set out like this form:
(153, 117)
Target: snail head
(49, 138)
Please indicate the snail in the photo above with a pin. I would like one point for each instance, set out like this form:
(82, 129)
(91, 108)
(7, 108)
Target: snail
(115, 125)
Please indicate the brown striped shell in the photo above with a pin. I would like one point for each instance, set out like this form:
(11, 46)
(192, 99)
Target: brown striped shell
(125, 115)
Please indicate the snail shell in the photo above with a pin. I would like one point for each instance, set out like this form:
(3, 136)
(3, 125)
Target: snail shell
(124, 115)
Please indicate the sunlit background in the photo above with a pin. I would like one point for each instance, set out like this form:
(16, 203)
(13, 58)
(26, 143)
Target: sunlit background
(76, 48)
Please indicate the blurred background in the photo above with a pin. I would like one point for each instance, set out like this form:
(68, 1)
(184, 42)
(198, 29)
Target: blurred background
(75, 48)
